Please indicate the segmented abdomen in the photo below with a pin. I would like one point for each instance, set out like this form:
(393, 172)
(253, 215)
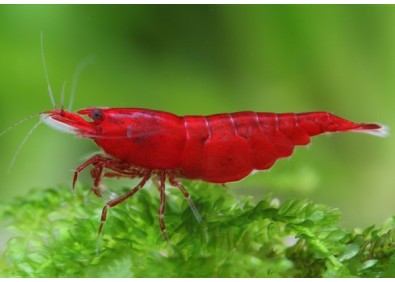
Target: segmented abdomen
(227, 147)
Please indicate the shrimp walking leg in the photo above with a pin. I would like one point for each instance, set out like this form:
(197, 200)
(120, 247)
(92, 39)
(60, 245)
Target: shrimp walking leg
(96, 174)
(97, 161)
(187, 197)
(120, 199)
(162, 206)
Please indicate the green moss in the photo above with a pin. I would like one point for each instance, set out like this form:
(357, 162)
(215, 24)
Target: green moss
(55, 235)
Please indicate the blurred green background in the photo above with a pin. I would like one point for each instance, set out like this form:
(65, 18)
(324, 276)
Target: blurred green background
(203, 60)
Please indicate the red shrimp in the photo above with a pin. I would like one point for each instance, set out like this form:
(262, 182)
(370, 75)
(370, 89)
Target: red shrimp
(221, 148)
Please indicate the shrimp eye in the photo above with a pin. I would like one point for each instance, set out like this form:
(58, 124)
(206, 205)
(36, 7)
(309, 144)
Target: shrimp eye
(97, 114)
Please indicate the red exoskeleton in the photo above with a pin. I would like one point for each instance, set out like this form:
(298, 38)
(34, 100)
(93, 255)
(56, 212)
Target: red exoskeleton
(221, 148)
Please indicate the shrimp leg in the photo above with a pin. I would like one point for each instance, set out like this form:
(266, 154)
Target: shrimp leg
(162, 206)
(186, 196)
(120, 199)
(99, 162)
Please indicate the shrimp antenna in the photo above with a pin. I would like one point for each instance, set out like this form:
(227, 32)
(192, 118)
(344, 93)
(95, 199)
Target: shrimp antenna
(46, 72)
(81, 66)
(62, 94)
(18, 123)
(23, 143)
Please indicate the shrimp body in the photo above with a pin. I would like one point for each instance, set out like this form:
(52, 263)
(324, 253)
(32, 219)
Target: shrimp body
(218, 148)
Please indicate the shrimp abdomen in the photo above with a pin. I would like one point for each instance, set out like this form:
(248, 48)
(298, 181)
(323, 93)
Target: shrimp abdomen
(227, 147)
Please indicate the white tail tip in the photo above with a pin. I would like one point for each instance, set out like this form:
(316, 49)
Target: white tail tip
(381, 130)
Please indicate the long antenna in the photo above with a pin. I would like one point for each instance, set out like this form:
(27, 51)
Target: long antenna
(46, 72)
(62, 95)
(18, 123)
(81, 66)
(23, 143)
